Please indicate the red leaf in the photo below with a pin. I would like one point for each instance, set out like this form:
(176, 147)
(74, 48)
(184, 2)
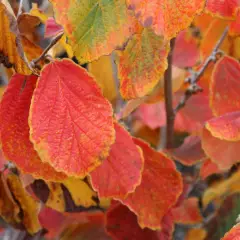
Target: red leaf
(223, 153)
(121, 172)
(121, 224)
(163, 16)
(52, 28)
(16, 145)
(188, 212)
(71, 122)
(190, 152)
(225, 8)
(159, 190)
(233, 234)
(186, 50)
(225, 86)
(208, 168)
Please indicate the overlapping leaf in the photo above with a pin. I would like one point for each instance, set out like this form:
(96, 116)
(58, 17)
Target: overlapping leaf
(71, 122)
(121, 172)
(142, 63)
(208, 168)
(121, 224)
(224, 9)
(95, 28)
(196, 234)
(188, 212)
(233, 234)
(163, 16)
(16, 145)
(159, 190)
(225, 86)
(11, 51)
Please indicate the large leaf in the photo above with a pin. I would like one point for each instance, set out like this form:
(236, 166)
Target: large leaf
(121, 172)
(15, 140)
(167, 18)
(95, 28)
(159, 190)
(225, 86)
(142, 63)
(71, 122)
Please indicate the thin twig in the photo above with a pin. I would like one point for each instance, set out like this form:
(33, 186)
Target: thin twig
(195, 76)
(20, 8)
(170, 116)
(52, 43)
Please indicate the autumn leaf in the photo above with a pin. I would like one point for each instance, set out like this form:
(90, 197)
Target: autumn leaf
(163, 16)
(121, 172)
(159, 190)
(121, 224)
(233, 234)
(11, 50)
(225, 9)
(16, 145)
(102, 70)
(190, 152)
(186, 51)
(52, 28)
(225, 86)
(71, 123)
(188, 212)
(142, 64)
(29, 206)
(196, 234)
(208, 168)
(94, 28)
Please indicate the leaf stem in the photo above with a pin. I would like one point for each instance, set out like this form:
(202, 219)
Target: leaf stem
(170, 116)
(195, 76)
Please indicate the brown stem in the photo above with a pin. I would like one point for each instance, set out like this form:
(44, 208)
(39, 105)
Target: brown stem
(170, 116)
(195, 76)
(52, 43)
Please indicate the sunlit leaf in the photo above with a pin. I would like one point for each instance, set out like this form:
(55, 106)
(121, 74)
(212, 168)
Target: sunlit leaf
(188, 212)
(71, 123)
(224, 8)
(196, 234)
(233, 234)
(30, 207)
(94, 28)
(225, 85)
(16, 145)
(121, 172)
(142, 63)
(159, 190)
(163, 16)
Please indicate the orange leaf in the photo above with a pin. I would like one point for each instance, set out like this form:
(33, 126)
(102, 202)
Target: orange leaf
(225, 86)
(142, 64)
(121, 172)
(190, 152)
(16, 145)
(222, 152)
(11, 52)
(29, 206)
(234, 28)
(233, 234)
(188, 212)
(121, 224)
(224, 8)
(71, 122)
(159, 190)
(163, 16)
(94, 28)
(208, 168)
(196, 234)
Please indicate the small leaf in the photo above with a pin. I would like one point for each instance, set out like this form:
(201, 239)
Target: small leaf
(71, 123)
(142, 63)
(196, 234)
(225, 86)
(163, 16)
(16, 145)
(94, 28)
(121, 172)
(208, 168)
(159, 190)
